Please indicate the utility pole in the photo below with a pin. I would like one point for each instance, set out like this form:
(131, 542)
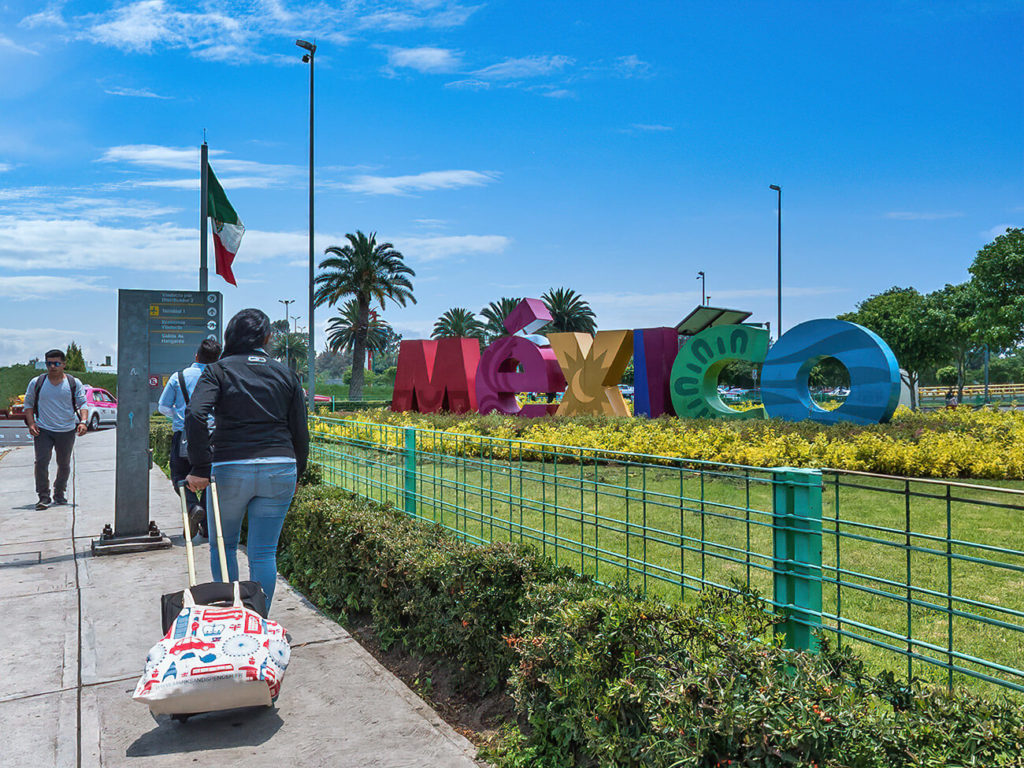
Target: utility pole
(286, 302)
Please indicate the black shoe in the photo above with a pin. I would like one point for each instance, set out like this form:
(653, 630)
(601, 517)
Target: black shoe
(43, 503)
(59, 499)
(197, 521)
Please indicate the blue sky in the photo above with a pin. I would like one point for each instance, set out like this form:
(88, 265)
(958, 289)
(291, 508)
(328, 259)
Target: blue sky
(505, 148)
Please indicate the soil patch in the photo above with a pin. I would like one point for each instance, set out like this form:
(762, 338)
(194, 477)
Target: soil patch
(478, 718)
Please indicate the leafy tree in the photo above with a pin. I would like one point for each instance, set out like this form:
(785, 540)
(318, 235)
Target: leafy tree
(75, 361)
(903, 318)
(371, 272)
(290, 348)
(494, 315)
(280, 326)
(998, 276)
(946, 375)
(458, 321)
(569, 312)
(956, 308)
(342, 330)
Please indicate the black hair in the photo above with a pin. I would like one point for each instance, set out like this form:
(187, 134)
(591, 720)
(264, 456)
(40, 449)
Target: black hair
(246, 331)
(209, 351)
(56, 353)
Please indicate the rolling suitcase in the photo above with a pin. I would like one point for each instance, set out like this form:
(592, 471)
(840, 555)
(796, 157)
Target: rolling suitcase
(211, 592)
(215, 655)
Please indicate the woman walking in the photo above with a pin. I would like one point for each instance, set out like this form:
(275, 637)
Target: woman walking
(260, 444)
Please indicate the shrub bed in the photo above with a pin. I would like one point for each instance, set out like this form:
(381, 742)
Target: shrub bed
(602, 677)
(960, 442)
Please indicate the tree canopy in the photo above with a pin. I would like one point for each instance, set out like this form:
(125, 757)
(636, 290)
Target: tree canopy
(905, 321)
(998, 275)
(371, 272)
(569, 312)
(458, 321)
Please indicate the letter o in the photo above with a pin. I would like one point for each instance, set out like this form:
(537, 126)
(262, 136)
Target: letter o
(874, 373)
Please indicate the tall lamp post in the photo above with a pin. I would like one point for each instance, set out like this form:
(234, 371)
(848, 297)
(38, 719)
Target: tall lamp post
(777, 188)
(286, 302)
(310, 49)
(703, 291)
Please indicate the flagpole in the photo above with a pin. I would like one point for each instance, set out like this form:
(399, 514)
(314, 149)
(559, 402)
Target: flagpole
(204, 281)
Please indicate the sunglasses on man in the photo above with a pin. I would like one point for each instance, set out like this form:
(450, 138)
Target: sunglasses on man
(54, 363)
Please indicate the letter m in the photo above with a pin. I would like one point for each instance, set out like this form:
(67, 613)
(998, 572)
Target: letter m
(436, 376)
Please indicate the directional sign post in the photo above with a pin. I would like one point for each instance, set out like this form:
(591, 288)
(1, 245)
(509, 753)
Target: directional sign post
(158, 333)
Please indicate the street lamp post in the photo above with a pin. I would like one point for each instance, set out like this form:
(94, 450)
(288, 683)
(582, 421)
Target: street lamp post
(703, 291)
(286, 302)
(777, 188)
(310, 49)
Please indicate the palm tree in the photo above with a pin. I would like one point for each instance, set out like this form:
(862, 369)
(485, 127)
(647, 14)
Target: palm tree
(458, 322)
(569, 312)
(290, 347)
(341, 330)
(494, 315)
(370, 272)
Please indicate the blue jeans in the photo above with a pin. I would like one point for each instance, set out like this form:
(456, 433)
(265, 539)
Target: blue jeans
(264, 491)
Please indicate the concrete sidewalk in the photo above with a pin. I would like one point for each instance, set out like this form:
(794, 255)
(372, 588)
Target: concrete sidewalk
(77, 630)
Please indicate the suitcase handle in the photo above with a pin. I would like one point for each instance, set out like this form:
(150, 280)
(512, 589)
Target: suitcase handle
(189, 553)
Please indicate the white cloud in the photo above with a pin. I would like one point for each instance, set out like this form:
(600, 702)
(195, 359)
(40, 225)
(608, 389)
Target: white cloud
(1000, 229)
(425, 59)
(651, 127)
(421, 15)
(422, 182)
(50, 202)
(423, 249)
(922, 215)
(141, 93)
(235, 30)
(72, 243)
(527, 66)
(469, 85)
(49, 17)
(249, 173)
(6, 42)
(4, 167)
(559, 93)
(632, 66)
(19, 345)
(25, 287)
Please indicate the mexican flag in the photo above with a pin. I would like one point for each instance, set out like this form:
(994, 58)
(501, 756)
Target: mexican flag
(227, 227)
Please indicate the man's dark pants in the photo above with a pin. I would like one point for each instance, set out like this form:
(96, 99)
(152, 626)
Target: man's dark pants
(180, 468)
(45, 444)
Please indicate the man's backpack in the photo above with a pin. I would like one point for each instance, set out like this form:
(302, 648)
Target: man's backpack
(73, 383)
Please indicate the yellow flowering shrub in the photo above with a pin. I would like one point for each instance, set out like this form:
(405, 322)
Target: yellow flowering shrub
(960, 442)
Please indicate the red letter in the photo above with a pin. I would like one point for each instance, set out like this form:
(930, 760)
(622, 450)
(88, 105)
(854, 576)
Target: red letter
(436, 375)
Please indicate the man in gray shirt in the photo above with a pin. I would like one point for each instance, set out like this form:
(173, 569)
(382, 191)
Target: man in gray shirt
(55, 413)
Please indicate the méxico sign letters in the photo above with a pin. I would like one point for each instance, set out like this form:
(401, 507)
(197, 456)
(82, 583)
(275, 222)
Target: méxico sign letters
(452, 374)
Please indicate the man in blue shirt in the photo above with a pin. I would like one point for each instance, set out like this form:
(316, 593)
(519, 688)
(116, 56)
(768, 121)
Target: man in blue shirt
(173, 403)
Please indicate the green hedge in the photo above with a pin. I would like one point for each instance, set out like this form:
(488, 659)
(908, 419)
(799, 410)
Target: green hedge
(605, 678)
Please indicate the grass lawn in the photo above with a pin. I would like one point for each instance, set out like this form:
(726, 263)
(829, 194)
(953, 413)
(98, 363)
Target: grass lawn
(669, 530)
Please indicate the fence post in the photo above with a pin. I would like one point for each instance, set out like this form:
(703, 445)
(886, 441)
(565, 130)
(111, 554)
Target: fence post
(797, 553)
(410, 471)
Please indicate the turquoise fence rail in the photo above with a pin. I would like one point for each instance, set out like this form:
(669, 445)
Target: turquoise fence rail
(922, 576)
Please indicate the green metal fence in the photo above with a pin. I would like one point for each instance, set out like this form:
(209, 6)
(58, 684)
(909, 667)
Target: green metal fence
(921, 575)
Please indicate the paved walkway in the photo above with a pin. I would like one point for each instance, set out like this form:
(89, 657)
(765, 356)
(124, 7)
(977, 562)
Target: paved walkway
(76, 631)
